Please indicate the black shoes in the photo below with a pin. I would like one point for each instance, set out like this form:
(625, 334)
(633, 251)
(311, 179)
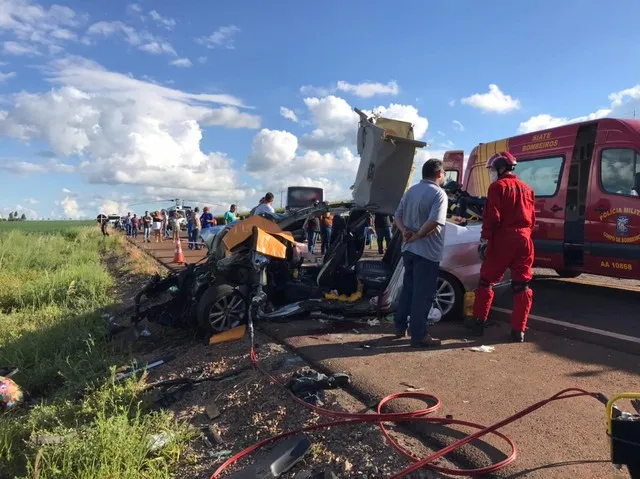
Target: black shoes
(517, 336)
(475, 325)
(426, 342)
(400, 334)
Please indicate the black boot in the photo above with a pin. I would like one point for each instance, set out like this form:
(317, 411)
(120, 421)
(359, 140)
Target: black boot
(478, 328)
(517, 336)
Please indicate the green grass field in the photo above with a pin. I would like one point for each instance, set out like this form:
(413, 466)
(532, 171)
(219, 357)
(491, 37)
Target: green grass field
(52, 281)
(42, 226)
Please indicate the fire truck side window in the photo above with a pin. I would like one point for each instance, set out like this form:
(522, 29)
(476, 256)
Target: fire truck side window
(620, 171)
(542, 175)
(450, 175)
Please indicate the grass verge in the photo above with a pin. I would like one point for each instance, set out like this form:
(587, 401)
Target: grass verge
(52, 287)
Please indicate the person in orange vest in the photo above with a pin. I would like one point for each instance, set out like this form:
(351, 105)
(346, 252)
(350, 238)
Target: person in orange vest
(507, 225)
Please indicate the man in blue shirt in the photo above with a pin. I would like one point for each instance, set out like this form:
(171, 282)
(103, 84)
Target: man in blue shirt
(421, 217)
(206, 219)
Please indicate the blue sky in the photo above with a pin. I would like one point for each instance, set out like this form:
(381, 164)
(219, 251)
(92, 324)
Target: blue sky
(105, 105)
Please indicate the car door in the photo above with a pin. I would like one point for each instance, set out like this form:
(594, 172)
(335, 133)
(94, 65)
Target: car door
(545, 175)
(613, 212)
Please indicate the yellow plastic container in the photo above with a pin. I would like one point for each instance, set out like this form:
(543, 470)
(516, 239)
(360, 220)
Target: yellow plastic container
(469, 298)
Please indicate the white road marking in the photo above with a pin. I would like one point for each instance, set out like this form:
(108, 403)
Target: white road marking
(579, 327)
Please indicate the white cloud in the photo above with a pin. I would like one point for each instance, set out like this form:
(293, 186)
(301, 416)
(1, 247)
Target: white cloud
(223, 37)
(202, 60)
(310, 90)
(31, 201)
(134, 8)
(31, 24)
(71, 208)
(107, 29)
(165, 22)
(618, 98)
(6, 76)
(181, 62)
(112, 207)
(441, 133)
(452, 103)
(361, 90)
(143, 40)
(335, 120)
(288, 114)
(545, 121)
(127, 131)
(270, 148)
(158, 48)
(19, 49)
(276, 162)
(458, 126)
(66, 190)
(369, 89)
(495, 101)
(25, 168)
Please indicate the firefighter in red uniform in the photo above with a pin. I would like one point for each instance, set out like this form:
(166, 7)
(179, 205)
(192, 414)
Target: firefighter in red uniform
(507, 224)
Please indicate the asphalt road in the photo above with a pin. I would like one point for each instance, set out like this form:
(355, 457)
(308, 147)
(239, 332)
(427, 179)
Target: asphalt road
(592, 301)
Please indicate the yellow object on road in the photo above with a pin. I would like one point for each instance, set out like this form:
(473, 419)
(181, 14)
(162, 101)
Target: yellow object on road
(233, 334)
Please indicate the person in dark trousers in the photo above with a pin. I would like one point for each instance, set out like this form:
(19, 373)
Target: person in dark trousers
(146, 223)
(382, 224)
(313, 230)
(421, 218)
(134, 226)
(508, 219)
(196, 227)
(326, 226)
(104, 223)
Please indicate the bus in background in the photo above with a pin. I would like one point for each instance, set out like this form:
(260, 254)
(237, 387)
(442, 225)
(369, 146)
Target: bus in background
(303, 196)
(453, 166)
(586, 178)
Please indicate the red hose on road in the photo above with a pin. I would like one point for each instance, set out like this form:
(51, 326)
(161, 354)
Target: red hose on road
(412, 416)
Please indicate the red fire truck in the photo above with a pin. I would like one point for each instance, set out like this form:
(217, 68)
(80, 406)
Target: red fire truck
(586, 177)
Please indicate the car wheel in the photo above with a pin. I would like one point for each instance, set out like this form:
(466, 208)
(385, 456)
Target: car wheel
(449, 296)
(565, 273)
(221, 307)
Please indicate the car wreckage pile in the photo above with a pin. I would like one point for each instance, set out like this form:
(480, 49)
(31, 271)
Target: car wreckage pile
(257, 266)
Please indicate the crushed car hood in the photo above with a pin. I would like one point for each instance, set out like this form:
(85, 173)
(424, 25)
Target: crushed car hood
(386, 150)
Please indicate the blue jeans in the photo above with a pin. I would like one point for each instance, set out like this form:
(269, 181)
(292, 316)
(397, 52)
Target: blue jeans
(383, 234)
(147, 233)
(418, 293)
(325, 233)
(312, 236)
(128, 230)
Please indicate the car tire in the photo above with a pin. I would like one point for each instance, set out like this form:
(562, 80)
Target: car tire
(566, 273)
(220, 308)
(449, 296)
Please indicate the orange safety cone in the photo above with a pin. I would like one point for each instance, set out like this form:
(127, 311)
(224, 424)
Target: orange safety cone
(178, 257)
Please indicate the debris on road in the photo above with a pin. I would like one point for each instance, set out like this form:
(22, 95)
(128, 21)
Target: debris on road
(309, 385)
(160, 440)
(483, 349)
(212, 410)
(373, 322)
(154, 364)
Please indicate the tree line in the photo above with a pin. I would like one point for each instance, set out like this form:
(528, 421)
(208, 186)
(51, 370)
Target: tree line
(15, 216)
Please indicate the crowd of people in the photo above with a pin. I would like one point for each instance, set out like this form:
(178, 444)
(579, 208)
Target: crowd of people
(163, 224)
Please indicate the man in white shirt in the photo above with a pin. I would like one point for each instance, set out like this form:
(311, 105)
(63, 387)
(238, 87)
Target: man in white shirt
(267, 206)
